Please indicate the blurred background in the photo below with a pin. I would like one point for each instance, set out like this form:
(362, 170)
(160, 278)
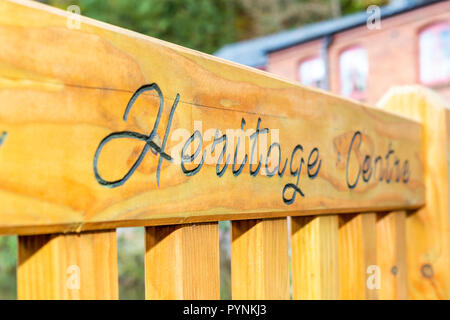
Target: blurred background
(207, 25)
(355, 48)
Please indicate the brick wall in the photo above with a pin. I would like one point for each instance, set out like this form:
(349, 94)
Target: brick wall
(393, 52)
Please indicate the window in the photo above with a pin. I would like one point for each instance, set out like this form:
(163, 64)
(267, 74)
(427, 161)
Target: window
(434, 54)
(312, 72)
(354, 69)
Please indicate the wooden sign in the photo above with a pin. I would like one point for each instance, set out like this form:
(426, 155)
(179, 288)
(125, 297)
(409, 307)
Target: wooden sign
(102, 127)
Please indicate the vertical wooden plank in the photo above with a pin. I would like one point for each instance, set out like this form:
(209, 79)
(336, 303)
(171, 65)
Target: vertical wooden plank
(68, 266)
(182, 262)
(357, 251)
(314, 249)
(260, 259)
(427, 230)
(391, 255)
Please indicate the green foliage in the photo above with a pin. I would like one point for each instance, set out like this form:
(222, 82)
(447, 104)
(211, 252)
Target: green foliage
(8, 260)
(201, 24)
(206, 25)
(351, 6)
(225, 260)
(130, 256)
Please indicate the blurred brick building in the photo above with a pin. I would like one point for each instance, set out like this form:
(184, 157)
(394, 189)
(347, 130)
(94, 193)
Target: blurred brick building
(357, 57)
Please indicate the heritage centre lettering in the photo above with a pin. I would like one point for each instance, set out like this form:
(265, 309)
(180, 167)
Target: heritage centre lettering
(385, 168)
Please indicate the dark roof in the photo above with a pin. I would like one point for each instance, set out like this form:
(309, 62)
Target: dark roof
(253, 52)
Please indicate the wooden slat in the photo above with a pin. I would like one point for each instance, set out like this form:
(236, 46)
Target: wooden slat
(182, 262)
(391, 255)
(68, 266)
(314, 249)
(63, 91)
(427, 230)
(357, 252)
(259, 259)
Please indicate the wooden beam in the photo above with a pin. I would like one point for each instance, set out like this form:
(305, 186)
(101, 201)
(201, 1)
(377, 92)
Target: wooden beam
(95, 121)
(315, 266)
(68, 266)
(357, 252)
(427, 230)
(259, 259)
(182, 262)
(391, 255)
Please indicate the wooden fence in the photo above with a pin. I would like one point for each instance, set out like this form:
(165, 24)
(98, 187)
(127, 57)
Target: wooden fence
(104, 128)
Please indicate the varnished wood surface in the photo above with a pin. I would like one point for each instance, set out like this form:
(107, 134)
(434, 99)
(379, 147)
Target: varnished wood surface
(62, 91)
(182, 262)
(68, 266)
(315, 257)
(427, 230)
(259, 259)
(357, 252)
(391, 256)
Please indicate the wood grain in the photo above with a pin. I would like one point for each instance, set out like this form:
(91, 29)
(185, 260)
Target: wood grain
(427, 230)
(315, 259)
(182, 262)
(391, 255)
(68, 266)
(259, 259)
(357, 251)
(64, 90)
